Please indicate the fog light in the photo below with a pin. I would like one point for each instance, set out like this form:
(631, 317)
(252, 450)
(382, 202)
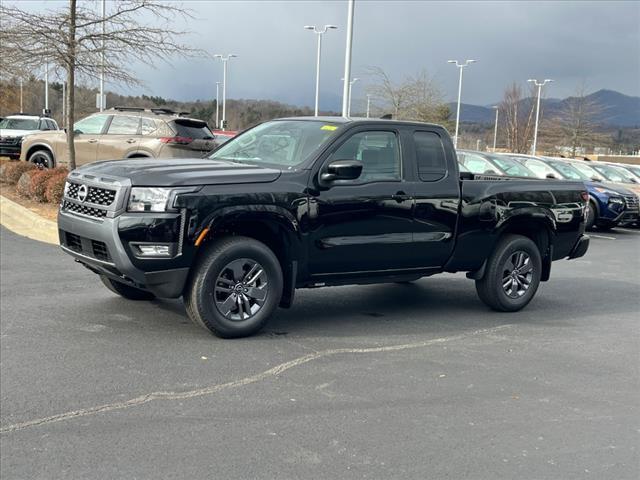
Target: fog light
(154, 250)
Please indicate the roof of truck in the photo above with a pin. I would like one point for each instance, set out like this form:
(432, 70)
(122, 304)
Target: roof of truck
(336, 119)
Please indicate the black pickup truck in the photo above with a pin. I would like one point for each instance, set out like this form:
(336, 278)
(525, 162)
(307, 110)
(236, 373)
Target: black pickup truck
(312, 202)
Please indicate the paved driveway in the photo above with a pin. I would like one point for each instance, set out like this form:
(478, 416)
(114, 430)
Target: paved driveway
(388, 381)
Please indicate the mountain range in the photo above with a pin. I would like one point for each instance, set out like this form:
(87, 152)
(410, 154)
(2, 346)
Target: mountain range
(616, 109)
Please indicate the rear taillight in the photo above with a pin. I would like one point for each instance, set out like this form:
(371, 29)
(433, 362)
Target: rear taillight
(585, 196)
(177, 140)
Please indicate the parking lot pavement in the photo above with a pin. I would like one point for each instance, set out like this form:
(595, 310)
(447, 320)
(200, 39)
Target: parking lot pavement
(387, 381)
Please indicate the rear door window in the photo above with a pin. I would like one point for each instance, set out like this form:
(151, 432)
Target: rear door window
(192, 129)
(124, 125)
(148, 126)
(432, 164)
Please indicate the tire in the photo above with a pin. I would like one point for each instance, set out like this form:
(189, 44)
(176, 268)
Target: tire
(42, 158)
(494, 288)
(591, 215)
(126, 291)
(227, 294)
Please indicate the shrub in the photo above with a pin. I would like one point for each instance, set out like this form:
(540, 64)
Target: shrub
(12, 171)
(23, 187)
(38, 187)
(55, 187)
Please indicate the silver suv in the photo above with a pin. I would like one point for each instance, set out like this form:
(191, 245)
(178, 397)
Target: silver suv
(14, 129)
(123, 132)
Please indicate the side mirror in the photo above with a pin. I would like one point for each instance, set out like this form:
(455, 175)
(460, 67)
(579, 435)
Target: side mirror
(633, 180)
(551, 176)
(596, 179)
(341, 170)
(77, 132)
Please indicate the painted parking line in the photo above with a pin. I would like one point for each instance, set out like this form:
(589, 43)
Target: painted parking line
(604, 237)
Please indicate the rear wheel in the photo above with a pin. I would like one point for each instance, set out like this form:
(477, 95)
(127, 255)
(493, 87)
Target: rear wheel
(42, 158)
(126, 291)
(235, 287)
(591, 215)
(512, 274)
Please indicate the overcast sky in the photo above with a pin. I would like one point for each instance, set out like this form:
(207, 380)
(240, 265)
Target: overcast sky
(596, 42)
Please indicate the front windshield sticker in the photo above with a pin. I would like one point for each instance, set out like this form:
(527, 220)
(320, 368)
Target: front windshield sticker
(329, 127)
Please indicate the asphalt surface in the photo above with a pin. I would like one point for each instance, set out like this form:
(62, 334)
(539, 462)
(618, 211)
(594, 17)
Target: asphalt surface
(387, 381)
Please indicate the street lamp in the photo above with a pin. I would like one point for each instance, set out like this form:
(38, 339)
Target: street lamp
(319, 32)
(347, 58)
(535, 132)
(217, 104)
(368, 104)
(225, 60)
(461, 67)
(350, 88)
(495, 130)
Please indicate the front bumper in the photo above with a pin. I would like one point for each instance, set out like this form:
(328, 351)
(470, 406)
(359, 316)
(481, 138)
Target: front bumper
(580, 248)
(97, 245)
(12, 151)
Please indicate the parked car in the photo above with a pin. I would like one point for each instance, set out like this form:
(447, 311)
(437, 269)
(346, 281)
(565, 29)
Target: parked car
(632, 169)
(123, 132)
(488, 164)
(608, 204)
(629, 189)
(310, 202)
(15, 128)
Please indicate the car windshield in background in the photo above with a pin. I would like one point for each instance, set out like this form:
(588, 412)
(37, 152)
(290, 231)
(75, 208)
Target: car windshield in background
(611, 174)
(477, 164)
(511, 167)
(19, 124)
(541, 169)
(191, 129)
(568, 171)
(285, 143)
(634, 170)
(587, 170)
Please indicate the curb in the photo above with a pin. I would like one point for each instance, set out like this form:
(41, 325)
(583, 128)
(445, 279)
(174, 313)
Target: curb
(29, 224)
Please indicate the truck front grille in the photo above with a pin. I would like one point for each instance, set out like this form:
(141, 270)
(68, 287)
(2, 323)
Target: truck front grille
(95, 195)
(86, 246)
(83, 209)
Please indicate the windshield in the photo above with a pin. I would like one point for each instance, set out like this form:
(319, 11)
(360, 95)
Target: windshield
(586, 170)
(628, 177)
(477, 164)
(19, 124)
(568, 171)
(634, 170)
(512, 167)
(281, 142)
(611, 174)
(540, 168)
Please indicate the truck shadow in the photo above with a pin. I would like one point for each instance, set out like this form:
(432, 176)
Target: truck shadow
(433, 304)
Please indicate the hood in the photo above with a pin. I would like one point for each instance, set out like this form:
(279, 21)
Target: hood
(11, 132)
(618, 188)
(181, 172)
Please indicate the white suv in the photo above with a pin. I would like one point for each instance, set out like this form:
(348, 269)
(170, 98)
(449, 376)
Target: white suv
(14, 128)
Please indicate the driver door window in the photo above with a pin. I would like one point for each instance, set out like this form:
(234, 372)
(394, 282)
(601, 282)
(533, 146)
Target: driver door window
(379, 153)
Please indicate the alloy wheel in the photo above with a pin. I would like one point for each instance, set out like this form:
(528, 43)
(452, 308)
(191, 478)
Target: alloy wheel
(241, 289)
(517, 274)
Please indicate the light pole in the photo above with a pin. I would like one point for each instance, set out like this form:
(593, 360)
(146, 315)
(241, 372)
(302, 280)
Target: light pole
(102, 102)
(21, 111)
(495, 129)
(319, 32)
(350, 88)
(461, 67)
(368, 104)
(217, 104)
(46, 88)
(535, 131)
(225, 60)
(347, 59)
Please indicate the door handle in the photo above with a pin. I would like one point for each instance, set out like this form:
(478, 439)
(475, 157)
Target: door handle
(93, 140)
(400, 197)
(131, 140)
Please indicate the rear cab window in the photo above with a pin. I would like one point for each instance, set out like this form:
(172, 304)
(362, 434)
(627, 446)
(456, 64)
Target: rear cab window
(430, 156)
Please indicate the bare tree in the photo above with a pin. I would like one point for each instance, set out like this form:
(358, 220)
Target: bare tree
(417, 98)
(575, 125)
(517, 118)
(74, 38)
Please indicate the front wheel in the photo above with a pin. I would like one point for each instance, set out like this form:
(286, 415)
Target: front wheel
(512, 274)
(235, 287)
(591, 215)
(126, 291)
(42, 158)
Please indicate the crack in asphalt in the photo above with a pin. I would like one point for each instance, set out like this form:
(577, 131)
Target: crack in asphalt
(272, 372)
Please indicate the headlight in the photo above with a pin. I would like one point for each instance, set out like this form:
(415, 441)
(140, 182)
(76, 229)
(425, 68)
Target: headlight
(149, 199)
(616, 200)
